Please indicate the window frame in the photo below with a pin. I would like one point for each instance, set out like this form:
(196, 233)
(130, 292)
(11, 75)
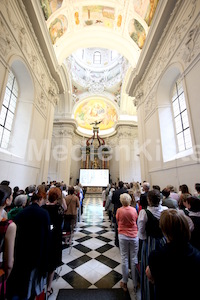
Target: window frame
(176, 96)
(12, 89)
(95, 61)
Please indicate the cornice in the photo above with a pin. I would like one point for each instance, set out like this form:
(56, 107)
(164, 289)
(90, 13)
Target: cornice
(65, 122)
(35, 21)
(161, 21)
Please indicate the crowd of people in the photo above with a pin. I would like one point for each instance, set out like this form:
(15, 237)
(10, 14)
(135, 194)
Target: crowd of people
(32, 222)
(158, 234)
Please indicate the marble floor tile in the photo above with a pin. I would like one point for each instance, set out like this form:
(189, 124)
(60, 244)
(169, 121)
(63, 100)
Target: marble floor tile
(93, 260)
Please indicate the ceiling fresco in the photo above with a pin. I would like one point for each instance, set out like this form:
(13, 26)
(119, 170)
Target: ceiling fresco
(142, 12)
(98, 15)
(87, 76)
(96, 73)
(50, 6)
(57, 28)
(97, 110)
(146, 9)
(137, 33)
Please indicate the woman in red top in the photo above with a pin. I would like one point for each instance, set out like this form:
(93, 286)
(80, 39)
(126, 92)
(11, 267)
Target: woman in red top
(128, 241)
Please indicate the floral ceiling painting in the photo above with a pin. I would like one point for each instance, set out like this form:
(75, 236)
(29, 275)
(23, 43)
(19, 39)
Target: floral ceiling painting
(97, 110)
(57, 28)
(50, 6)
(98, 15)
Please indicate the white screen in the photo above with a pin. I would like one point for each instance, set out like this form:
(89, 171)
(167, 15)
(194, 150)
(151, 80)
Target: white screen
(93, 177)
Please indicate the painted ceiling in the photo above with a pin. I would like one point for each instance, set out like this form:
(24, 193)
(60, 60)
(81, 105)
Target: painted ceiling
(126, 19)
(58, 15)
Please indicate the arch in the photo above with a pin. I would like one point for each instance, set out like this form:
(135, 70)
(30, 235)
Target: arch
(165, 115)
(167, 82)
(24, 79)
(90, 37)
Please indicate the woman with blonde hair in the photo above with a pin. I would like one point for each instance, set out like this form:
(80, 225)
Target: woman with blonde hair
(128, 241)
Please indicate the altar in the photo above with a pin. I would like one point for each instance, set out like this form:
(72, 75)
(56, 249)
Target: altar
(94, 190)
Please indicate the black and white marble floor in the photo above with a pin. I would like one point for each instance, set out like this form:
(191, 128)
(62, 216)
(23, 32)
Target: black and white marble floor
(93, 261)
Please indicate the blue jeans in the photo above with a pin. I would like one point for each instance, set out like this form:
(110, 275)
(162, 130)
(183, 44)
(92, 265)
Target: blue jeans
(129, 255)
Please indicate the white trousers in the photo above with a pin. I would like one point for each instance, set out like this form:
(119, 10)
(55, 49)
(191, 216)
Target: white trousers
(129, 255)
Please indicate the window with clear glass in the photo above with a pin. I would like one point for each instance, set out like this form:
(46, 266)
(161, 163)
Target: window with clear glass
(8, 110)
(97, 57)
(181, 117)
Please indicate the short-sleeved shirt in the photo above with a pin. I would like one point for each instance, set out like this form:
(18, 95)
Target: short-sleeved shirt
(126, 217)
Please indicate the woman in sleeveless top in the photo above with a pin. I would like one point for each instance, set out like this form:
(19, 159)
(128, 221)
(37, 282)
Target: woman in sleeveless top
(151, 236)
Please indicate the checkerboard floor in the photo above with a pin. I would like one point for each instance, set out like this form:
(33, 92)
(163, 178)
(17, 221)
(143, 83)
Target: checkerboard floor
(93, 261)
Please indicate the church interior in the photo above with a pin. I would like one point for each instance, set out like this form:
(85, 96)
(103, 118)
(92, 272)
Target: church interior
(109, 86)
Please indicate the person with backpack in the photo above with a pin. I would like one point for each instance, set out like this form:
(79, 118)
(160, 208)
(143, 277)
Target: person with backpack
(151, 235)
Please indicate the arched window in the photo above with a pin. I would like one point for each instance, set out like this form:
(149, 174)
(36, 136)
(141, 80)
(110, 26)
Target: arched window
(175, 130)
(16, 110)
(97, 57)
(183, 135)
(8, 110)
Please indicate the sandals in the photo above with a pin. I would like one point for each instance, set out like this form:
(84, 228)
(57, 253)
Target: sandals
(49, 293)
(123, 286)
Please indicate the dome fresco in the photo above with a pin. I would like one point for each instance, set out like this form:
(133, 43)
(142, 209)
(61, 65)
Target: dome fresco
(105, 76)
(93, 110)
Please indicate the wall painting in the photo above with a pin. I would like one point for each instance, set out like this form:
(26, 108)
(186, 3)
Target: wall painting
(96, 110)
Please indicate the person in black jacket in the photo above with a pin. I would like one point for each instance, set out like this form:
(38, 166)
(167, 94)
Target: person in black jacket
(117, 204)
(31, 251)
(193, 205)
